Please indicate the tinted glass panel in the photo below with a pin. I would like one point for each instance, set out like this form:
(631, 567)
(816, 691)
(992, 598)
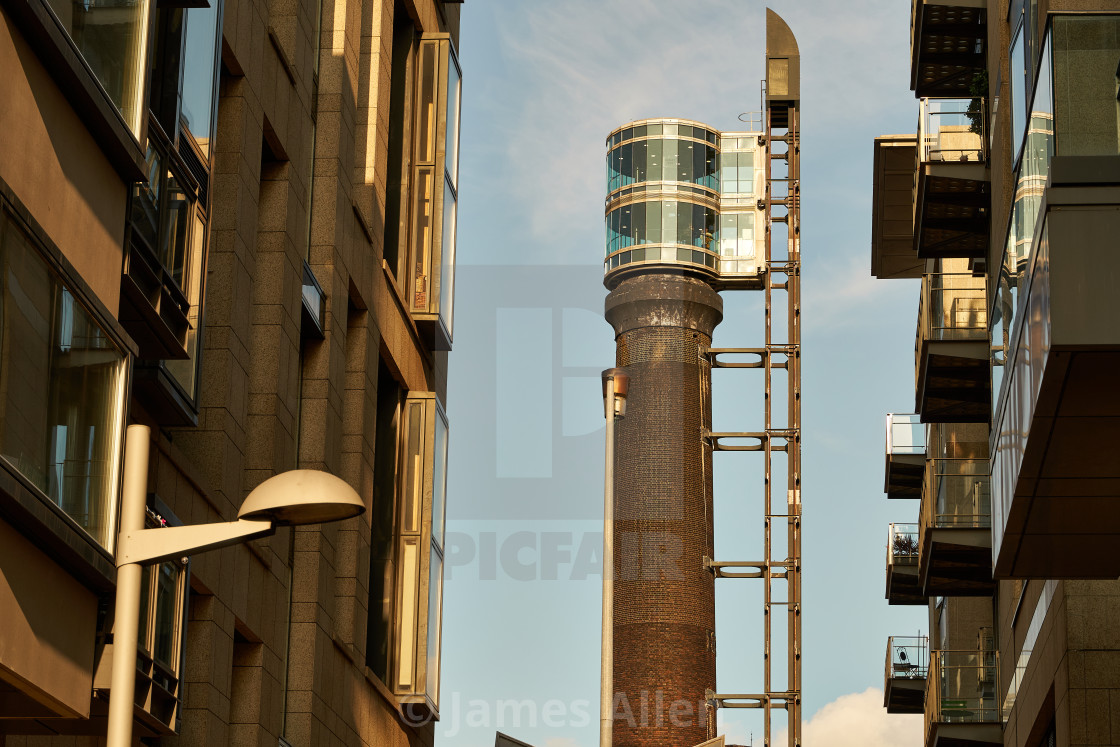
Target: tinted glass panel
(199, 62)
(112, 36)
(61, 389)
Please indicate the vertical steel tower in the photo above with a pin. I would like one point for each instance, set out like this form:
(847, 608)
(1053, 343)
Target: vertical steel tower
(690, 212)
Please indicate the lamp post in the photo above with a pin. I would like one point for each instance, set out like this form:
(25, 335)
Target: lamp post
(615, 386)
(294, 497)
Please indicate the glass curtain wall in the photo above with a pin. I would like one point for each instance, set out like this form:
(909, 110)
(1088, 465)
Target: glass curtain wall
(1073, 110)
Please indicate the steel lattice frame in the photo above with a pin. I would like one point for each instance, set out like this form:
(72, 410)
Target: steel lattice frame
(783, 277)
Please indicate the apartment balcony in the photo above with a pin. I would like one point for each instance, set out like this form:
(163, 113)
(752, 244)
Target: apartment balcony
(906, 455)
(1056, 324)
(892, 226)
(947, 46)
(902, 565)
(904, 681)
(952, 196)
(955, 558)
(952, 380)
(960, 701)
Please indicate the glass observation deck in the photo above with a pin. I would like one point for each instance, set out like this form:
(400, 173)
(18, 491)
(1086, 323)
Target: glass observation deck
(683, 195)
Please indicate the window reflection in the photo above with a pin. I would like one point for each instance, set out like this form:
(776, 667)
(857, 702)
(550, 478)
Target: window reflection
(112, 37)
(200, 64)
(663, 160)
(63, 430)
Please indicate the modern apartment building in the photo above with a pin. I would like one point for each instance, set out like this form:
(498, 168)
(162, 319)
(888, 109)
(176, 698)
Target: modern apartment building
(1006, 204)
(233, 222)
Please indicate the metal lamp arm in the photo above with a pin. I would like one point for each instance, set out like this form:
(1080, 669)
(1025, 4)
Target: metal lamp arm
(165, 543)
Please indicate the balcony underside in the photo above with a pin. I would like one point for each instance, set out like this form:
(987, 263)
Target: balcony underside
(905, 694)
(956, 562)
(1064, 518)
(947, 46)
(892, 223)
(952, 209)
(954, 382)
(904, 475)
(903, 586)
(964, 735)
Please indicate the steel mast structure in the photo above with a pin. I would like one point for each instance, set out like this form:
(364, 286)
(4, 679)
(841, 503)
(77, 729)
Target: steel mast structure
(782, 352)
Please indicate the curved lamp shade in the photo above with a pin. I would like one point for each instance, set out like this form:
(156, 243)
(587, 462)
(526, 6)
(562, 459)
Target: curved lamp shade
(302, 496)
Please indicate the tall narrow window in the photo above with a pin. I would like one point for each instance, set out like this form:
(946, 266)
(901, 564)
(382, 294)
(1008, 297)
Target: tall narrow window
(435, 174)
(406, 576)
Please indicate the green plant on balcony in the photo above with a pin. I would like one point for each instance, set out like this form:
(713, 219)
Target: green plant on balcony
(904, 544)
(978, 89)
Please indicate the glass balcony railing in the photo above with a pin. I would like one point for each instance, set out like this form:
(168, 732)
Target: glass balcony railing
(906, 436)
(902, 545)
(952, 307)
(956, 494)
(962, 686)
(952, 130)
(907, 657)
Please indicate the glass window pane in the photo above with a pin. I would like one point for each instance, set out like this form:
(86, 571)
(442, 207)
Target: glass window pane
(145, 201)
(668, 222)
(638, 219)
(435, 616)
(185, 371)
(426, 105)
(439, 480)
(423, 208)
(655, 158)
(684, 223)
(406, 617)
(653, 222)
(447, 256)
(413, 468)
(641, 158)
(684, 171)
(1018, 93)
(61, 389)
(164, 633)
(113, 39)
(669, 168)
(173, 243)
(626, 163)
(199, 61)
(454, 89)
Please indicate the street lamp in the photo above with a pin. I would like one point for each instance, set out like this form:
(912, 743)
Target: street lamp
(296, 497)
(616, 384)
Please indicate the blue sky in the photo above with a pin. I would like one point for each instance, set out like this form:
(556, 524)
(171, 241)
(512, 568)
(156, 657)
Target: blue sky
(544, 83)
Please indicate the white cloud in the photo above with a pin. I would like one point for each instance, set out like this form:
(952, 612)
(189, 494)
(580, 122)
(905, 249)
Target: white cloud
(858, 720)
(561, 742)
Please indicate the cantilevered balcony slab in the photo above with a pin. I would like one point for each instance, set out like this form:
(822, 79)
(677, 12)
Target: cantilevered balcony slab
(902, 565)
(947, 46)
(904, 686)
(892, 223)
(960, 704)
(956, 562)
(952, 198)
(952, 379)
(906, 455)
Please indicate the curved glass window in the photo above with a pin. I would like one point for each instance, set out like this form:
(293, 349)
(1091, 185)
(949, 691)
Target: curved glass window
(663, 159)
(663, 222)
